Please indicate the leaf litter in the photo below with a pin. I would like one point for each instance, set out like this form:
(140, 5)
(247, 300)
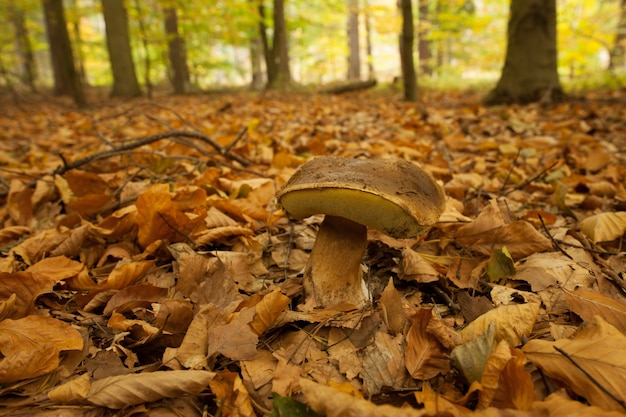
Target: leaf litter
(146, 269)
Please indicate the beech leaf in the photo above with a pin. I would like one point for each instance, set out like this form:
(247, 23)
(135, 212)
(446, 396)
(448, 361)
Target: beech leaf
(592, 363)
(126, 390)
(602, 227)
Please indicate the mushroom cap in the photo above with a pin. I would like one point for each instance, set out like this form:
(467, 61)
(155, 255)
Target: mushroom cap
(390, 195)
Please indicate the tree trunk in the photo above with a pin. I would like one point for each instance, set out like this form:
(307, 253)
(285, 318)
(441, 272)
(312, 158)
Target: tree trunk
(618, 55)
(354, 57)
(78, 42)
(280, 49)
(176, 50)
(368, 45)
(530, 68)
(24, 46)
(423, 45)
(409, 77)
(66, 78)
(256, 55)
(118, 43)
(265, 44)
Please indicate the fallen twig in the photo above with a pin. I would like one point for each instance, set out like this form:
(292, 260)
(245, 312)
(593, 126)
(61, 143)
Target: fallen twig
(144, 141)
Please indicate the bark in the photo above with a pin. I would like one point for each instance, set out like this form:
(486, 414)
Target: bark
(78, 43)
(24, 46)
(530, 68)
(147, 63)
(176, 51)
(256, 55)
(118, 43)
(66, 78)
(267, 49)
(423, 45)
(354, 56)
(280, 49)
(618, 52)
(368, 43)
(409, 77)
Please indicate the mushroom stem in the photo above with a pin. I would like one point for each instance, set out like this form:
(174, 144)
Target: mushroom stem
(333, 272)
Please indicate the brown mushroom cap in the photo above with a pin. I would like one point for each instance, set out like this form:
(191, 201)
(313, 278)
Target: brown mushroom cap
(390, 195)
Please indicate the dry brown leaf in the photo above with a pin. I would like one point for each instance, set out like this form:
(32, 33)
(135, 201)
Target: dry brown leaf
(126, 390)
(542, 270)
(598, 349)
(134, 296)
(342, 350)
(416, 268)
(30, 346)
(559, 405)
(121, 277)
(12, 233)
(72, 392)
(391, 305)
(236, 339)
(505, 383)
(511, 321)
(25, 287)
(588, 304)
(436, 404)
(19, 204)
(163, 215)
(206, 237)
(383, 364)
(231, 395)
(267, 310)
(602, 227)
(515, 386)
(425, 356)
(57, 268)
(332, 402)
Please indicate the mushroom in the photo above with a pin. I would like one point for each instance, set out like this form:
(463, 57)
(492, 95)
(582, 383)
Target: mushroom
(393, 196)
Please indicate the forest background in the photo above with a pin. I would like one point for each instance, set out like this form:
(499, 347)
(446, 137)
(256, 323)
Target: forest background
(221, 44)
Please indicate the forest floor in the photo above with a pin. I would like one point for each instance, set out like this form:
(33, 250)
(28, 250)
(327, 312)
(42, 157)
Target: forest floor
(146, 269)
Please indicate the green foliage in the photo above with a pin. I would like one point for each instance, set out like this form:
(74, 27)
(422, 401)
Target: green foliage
(288, 407)
(467, 39)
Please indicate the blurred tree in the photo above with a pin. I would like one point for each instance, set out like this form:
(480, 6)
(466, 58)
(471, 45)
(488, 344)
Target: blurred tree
(177, 51)
(423, 43)
(118, 43)
(23, 44)
(354, 53)
(618, 55)
(407, 37)
(256, 46)
(280, 75)
(368, 42)
(530, 68)
(66, 78)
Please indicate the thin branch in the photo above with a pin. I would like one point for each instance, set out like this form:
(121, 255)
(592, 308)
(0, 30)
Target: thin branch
(554, 242)
(542, 173)
(146, 140)
(237, 139)
(591, 377)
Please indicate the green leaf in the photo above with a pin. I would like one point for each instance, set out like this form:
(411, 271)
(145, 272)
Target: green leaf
(470, 358)
(500, 265)
(288, 407)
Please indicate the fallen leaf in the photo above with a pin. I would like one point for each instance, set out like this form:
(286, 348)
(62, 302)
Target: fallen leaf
(591, 363)
(425, 356)
(602, 227)
(30, 346)
(121, 391)
(511, 323)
